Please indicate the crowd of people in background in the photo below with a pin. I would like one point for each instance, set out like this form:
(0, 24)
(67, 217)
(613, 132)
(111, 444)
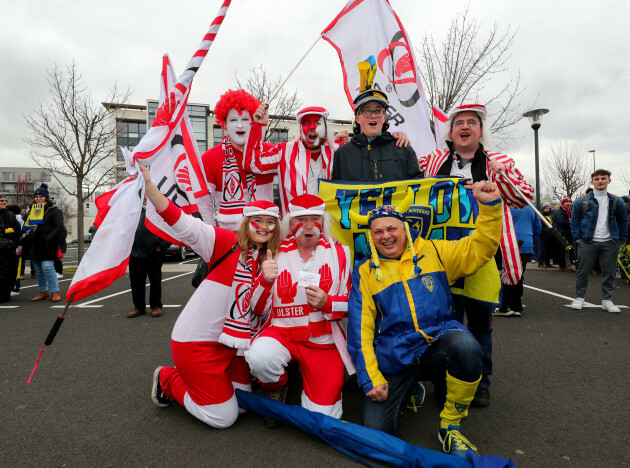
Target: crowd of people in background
(40, 239)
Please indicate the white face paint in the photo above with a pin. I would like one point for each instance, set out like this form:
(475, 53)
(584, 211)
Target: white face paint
(237, 127)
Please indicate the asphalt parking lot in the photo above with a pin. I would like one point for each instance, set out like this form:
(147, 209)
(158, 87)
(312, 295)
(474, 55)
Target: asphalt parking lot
(560, 384)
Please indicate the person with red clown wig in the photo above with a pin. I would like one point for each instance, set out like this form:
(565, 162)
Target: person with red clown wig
(306, 286)
(232, 187)
(216, 326)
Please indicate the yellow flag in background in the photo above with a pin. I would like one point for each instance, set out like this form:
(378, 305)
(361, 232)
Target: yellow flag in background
(442, 209)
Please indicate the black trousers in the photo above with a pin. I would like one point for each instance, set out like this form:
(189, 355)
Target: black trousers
(139, 269)
(513, 293)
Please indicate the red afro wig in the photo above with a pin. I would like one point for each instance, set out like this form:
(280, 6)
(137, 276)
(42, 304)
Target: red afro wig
(240, 100)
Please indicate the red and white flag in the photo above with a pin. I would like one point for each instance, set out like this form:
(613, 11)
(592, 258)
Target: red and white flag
(439, 122)
(371, 27)
(178, 171)
(171, 112)
(108, 256)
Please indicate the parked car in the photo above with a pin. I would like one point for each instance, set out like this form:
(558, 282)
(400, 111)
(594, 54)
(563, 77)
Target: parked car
(179, 252)
(86, 239)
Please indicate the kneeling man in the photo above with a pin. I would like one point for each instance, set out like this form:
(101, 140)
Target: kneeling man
(307, 288)
(401, 323)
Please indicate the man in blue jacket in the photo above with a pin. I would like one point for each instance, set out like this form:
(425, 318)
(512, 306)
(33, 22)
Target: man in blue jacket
(400, 316)
(599, 223)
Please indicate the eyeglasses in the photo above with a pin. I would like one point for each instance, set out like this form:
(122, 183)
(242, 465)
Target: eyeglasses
(469, 122)
(3, 201)
(370, 113)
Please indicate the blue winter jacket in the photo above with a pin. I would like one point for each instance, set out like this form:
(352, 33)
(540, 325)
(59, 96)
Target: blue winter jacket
(583, 227)
(527, 227)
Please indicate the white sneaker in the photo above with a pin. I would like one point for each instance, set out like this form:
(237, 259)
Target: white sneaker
(608, 306)
(59, 276)
(15, 293)
(578, 303)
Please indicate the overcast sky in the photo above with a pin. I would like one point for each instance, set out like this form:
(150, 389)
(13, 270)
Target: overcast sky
(573, 55)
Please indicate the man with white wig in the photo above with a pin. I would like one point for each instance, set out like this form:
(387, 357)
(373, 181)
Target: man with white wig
(467, 157)
(306, 286)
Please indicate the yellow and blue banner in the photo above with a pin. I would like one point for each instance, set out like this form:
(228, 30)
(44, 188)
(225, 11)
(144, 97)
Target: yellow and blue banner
(442, 209)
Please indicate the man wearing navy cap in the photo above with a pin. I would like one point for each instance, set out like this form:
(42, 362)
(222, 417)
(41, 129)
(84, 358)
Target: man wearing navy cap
(374, 154)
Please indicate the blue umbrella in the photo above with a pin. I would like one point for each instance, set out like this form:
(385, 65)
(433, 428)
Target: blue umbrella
(357, 441)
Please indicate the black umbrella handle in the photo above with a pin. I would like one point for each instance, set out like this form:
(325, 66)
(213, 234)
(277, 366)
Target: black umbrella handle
(560, 238)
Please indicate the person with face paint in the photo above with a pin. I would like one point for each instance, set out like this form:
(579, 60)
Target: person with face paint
(374, 154)
(298, 164)
(215, 328)
(232, 186)
(307, 287)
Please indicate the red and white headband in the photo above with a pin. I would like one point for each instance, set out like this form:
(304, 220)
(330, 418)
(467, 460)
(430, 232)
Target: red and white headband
(478, 108)
(261, 208)
(306, 204)
(311, 110)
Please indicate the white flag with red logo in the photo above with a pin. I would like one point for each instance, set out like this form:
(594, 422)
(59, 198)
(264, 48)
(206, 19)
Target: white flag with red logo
(108, 256)
(371, 27)
(178, 171)
(439, 125)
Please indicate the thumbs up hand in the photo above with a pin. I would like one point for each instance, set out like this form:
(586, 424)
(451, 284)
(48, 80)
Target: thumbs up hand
(270, 268)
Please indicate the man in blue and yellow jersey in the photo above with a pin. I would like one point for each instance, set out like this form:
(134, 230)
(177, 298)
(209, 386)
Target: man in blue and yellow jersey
(401, 323)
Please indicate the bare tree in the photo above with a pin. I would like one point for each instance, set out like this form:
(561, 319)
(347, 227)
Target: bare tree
(284, 104)
(458, 70)
(566, 171)
(71, 136)
(624, 176)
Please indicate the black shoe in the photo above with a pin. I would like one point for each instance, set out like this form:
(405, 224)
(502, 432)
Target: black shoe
(157, 395)
(279, 394)
(482, 398)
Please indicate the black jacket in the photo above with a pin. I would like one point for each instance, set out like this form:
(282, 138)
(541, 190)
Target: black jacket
(478, 169)
(46, 235)
(145, 242)
(379, 161)
(9, 240)
(562, 223)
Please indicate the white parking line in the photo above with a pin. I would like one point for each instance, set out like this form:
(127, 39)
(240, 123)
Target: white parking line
(586, 304)
(128, 290)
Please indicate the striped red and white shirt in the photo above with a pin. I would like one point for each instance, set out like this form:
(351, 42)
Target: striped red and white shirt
(512, 267)
(290, 161)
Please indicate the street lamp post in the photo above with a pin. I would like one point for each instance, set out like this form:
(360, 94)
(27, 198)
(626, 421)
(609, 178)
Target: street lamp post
(593, 151)
(535, 118)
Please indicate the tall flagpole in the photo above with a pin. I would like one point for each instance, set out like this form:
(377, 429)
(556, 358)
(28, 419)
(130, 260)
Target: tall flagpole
(293, 69)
